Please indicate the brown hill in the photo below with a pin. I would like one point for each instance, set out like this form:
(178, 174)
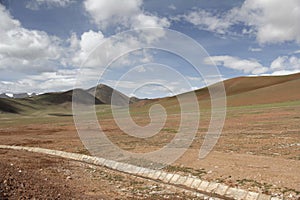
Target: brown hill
(245, 84)
(240, 91)
(3, 96)
(104, 93)
(64, 99)
(81, 96)
(48, 100)
(277, 93)
(7, 106)
(15, 106)
(20, 95)
(250, 91)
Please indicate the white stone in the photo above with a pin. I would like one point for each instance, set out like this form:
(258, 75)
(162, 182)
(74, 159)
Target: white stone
(203, 186)
(221, 190)
(212, 187)
(189, 181)
(174, 179)
(181, 180)
(168, 177)
(236, 193)
(264, 197)
(196, 183)
(252, 196)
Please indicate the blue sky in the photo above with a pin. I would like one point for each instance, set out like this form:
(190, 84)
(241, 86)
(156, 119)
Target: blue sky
(46, 44)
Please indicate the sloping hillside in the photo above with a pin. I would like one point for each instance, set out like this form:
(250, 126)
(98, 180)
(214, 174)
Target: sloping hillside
(64, 100)
(49, 101)
(81, 96)
(104, 94)
(277, 93)
(245, 84)
(16, 106)
(8, 106)
(3, 96)
(250, 91)
(240, 91)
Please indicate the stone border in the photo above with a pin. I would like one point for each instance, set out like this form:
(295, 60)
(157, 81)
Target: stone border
(212, 189)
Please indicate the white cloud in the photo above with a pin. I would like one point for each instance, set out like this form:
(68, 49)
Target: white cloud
(91, 56)
(283, 72)
(255, 49)
(34, 59)
(147, 20)
(277, 63)
(40, 57)
(105, 13)
(87, 52)
(244, 65)
(81, 48)
(286, 63)
(172, 7)
(53, 81)
(273, 21)
(90, 40)
(120, 13)
(26, 50)
(297, 52)
(36, 4)
(41, 83)
(140, 69)
(207, 21)
(7, 22)
(193, 78)
(270, 21)
(282, 65)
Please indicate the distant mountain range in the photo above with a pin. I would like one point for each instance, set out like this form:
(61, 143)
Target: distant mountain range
(240, 91)
(101, 94)
(4, 96)
(104, 94)
(18, 95)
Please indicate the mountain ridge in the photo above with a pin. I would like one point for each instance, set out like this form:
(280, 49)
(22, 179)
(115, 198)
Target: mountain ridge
(249, 90)
(64, 99)
(239, 91)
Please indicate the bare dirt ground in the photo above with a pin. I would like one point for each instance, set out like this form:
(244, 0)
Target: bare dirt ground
(259, 148)
(27, 175)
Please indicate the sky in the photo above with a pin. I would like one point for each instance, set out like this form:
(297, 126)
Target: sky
(144, 48)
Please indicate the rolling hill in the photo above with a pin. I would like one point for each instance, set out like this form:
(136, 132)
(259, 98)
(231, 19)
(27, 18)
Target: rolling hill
(3, 96)
(81, 96)
(241, 91)
(277, 93)
(104, 93)
(16, 106)
(64, 100)
(244, 91)
(8, 106)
